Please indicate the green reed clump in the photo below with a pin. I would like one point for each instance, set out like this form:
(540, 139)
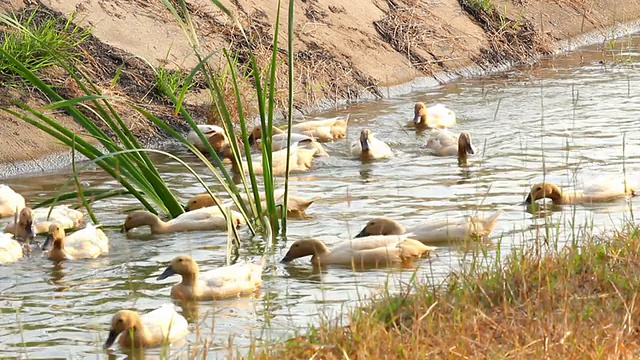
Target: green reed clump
(580, 301)
(170, 81)
(38, 42)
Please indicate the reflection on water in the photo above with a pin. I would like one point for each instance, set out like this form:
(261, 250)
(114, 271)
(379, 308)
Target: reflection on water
(563, 121)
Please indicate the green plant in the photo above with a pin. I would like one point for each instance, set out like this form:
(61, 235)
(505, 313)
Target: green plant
(482, 5)
(39, 42)
(171, 81)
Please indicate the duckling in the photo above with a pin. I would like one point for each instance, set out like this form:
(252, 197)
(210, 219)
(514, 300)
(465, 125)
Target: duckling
(279, 140)
(241, 278)
(10, 201)
(208, 131)
(434, 231)
(42, 218)
(604, 191)
(370, 251)
(207, 218)
(323, 130)
(444, 143)
(155, 328)
(436, 116)
(296, 205)
(87, 243)
(300, 160)
(10, 250)
(369, 147)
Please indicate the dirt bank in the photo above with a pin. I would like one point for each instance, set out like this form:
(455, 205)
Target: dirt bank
(344, 49)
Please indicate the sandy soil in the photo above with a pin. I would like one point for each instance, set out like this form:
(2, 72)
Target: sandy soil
(343, 49)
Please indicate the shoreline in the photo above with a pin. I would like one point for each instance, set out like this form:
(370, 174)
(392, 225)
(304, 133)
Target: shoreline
(56, 160)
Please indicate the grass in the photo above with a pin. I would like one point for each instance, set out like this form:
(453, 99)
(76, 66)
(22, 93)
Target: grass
(579, 301)
(109, 142)
(39, 42)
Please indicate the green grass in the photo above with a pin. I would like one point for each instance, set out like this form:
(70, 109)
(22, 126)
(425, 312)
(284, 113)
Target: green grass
(482, 5)
(109, 142)
(38, 43)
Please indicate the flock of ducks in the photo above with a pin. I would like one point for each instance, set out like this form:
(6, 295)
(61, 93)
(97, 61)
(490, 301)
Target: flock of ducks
(382, 241)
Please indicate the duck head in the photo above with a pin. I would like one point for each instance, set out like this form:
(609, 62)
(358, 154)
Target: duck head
(381, 226)
(419, 114)
(138, 218)
(464, 144)
(199, 201)
(183, 265)
(122, 321)
(543, 190)
(365, 135)
(55, 237)
(25, 222)
(302, 248)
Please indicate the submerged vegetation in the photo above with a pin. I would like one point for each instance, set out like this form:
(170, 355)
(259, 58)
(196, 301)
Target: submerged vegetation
(538, 301)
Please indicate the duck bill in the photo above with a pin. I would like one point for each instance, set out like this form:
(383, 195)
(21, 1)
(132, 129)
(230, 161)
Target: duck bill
(469, 149)
(29, 230)
(286, 259)
(167, 272)
(251, 140)
(362, 233)
(125, 229)
(417, 119)
(47, 242)
(186, 208)
(110, 339)
(528, 199)
(364, 145)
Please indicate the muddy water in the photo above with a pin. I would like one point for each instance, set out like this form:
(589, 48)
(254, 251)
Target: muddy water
(564, 120)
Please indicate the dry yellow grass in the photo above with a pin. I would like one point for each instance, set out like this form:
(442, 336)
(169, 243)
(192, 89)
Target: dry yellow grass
(576, 302)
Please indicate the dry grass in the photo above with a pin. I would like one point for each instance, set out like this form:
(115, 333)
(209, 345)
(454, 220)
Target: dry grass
(577, 302)
(511, 40)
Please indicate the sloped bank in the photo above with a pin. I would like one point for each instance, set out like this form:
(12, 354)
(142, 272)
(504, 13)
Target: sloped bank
(345, 51)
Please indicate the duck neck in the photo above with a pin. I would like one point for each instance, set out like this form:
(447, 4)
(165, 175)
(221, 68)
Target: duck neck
(158, 226)
(135, 336)
(190, 279)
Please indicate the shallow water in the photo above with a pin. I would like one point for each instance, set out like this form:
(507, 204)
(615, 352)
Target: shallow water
(564, 120)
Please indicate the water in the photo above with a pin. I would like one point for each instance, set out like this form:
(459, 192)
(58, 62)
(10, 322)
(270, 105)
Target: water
(565, 118)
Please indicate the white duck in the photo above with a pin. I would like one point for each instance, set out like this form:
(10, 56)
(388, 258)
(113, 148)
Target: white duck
(434, 231)
(207, 218)
(279, 140)
(445, 143)
(436, 116)
(10, 201)
(369, 147)
(87, 243)
(296, 205)
(603, 189)
(42, 218)
(10, 250)
(156, 328)
(369, 251)
(300, 160)
(208, 131)
(241, 278)
(323, 130)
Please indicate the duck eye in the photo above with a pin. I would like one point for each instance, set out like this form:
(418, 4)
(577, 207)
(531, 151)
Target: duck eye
(119, 321)
(180, 260)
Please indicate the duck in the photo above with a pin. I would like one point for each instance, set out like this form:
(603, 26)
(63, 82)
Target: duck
(155, 328)
(296, 205)
(323, 130)
(300, 160)
(206, 218)
(87, 243)
(434, 231)
(435, 116)
(279, 140)
(603, 190)
(208, 131)
(10, 201)
(10, 249)
(241, 278)
(445, 143)
(24, 228)
(369, 251)
(369, 147)
(42, 218)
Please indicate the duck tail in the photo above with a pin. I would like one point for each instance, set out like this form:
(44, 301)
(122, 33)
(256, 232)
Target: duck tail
(490, 222)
